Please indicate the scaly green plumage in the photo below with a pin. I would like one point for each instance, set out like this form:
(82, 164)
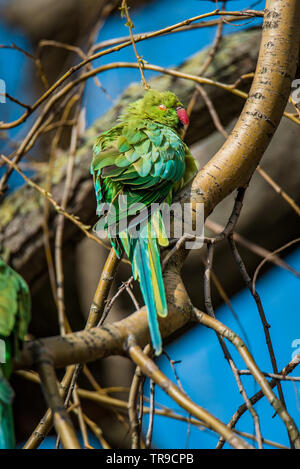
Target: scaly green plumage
(14, 319)
(144, 159)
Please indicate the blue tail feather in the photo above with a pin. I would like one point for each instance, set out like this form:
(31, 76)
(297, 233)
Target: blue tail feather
(144, 256)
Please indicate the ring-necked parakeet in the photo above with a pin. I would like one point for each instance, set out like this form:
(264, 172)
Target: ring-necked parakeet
(15, 308)
(143, 159)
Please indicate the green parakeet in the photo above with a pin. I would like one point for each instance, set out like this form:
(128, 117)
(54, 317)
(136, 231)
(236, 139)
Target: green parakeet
(137, 163)
(15, 308)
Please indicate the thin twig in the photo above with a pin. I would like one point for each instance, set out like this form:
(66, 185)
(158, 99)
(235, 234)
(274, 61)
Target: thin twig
(224, 331)
(125, 12)
(132, 409)
(259, 395)
(203, 69)
(46, 233)
(253, 247)
(141, 37)
(59, 233)
(149, 368)
(262, 315)
(266, 326)
(287, 245)
(81, 420)
(183, 26)
(110, 403)
(151, 415)
(279, 190)
(273, 375)
(56, 206)
(227, 355)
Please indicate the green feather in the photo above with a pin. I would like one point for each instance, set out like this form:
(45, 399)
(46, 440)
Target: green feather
(123, 144)
(156, 137)
(122, 161)
(15, 308)
(143, 166)
(144, 159)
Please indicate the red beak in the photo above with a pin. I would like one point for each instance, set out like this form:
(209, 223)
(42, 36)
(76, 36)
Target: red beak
(182, 115)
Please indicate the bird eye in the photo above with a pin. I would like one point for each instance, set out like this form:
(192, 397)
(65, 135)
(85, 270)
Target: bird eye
(162, 107)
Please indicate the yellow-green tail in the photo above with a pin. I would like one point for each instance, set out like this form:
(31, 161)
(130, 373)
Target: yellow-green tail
(143, 253)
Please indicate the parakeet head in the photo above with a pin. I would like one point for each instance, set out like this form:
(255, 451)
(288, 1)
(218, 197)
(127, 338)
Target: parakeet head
(160, 106)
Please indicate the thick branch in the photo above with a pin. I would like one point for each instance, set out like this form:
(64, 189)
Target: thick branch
(84, 346)
(62, 421)
(234, 163)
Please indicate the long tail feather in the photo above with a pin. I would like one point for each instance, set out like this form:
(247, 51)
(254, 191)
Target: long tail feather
(7, 438)
(146, 267)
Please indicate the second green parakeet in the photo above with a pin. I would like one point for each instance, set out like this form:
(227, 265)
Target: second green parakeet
(15, 308)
